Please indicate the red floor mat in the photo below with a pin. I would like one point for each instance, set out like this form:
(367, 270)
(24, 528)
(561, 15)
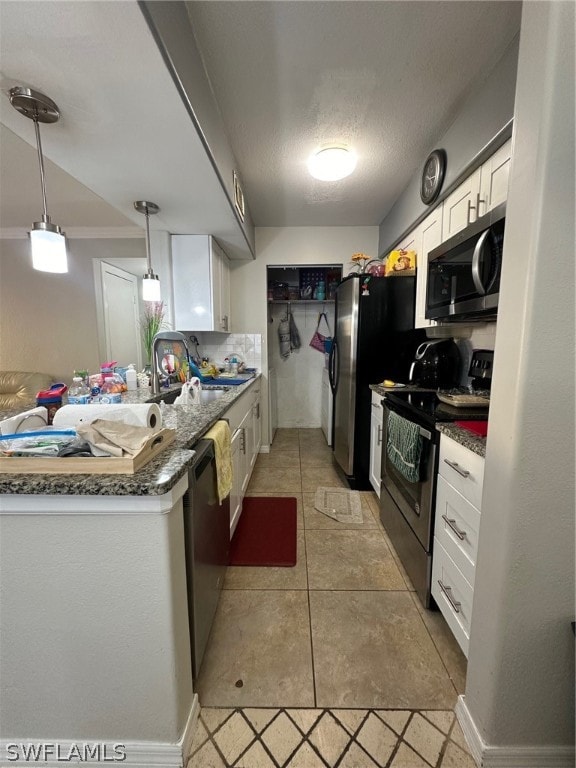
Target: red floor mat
(266, 532)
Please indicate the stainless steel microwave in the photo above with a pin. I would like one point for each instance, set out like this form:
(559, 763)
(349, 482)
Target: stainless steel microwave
(464, 272)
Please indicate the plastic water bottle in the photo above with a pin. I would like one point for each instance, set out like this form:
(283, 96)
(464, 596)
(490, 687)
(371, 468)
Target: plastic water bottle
(131, 378)
(78, 394)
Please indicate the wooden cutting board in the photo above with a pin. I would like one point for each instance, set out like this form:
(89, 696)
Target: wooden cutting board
(81, 465)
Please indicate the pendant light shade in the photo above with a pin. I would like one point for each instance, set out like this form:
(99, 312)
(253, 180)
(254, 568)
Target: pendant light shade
(48, 250)
(47, 241)
(150, 281)
(151, 287)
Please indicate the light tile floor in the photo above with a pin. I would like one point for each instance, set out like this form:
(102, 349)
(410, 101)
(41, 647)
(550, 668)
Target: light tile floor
(333, 662)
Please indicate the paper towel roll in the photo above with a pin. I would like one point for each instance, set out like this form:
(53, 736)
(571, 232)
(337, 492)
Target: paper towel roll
(140, 415)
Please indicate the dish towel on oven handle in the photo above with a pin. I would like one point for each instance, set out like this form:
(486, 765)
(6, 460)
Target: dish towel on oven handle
(404, 446)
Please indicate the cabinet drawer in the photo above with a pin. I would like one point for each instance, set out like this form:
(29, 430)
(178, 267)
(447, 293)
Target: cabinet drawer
(463, 469)
(457, 608)
(376, 400)
(456, 528)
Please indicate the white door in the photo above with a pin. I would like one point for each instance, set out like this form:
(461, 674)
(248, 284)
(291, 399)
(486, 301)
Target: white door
(121, 315)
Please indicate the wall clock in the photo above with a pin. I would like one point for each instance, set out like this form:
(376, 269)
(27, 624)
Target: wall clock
(432, 176)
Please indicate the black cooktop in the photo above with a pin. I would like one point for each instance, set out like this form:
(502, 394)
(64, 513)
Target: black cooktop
(427, 409)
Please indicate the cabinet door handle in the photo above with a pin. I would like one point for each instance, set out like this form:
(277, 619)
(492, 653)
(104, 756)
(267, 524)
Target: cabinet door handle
(257, 410)
(452, 524)
(478, 202)
(469, 213)
(379, 433)
(225, 323)
(456, 467)
(456, 604)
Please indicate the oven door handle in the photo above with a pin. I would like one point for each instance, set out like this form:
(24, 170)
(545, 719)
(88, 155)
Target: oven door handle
(423, 432)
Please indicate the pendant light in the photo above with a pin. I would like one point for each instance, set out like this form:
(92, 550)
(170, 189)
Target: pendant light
(47, 240)
(150, 281)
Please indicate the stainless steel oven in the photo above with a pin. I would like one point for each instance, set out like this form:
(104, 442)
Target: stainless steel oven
(407, 508)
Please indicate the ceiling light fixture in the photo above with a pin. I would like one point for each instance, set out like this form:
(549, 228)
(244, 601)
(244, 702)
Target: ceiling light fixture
(150, 281)
(47, 240)
(332, 163)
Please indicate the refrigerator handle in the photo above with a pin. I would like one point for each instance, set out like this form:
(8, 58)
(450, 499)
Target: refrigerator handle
(332, 367)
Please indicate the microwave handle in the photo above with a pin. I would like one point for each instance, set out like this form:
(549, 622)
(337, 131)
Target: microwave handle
(476, 257)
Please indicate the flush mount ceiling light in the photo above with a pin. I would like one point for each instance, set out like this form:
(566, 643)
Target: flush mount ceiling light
(332, 163)
(47, 240)
(150, 281)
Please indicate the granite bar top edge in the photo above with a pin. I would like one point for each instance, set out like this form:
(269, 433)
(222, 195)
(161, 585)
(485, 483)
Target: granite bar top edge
(158, 476)
(465, 437)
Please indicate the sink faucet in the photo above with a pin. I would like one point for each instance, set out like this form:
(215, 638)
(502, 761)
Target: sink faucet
(166, 336)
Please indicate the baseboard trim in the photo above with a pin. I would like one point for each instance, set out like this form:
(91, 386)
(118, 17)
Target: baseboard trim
(491, 756)
(139, 754)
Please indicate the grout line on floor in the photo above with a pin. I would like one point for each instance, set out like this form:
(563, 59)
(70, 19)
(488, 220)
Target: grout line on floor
(414, 597)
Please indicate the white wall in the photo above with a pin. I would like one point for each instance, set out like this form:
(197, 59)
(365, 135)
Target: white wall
(520, 685)
(299, 376)
(48, 322)
(288, 245)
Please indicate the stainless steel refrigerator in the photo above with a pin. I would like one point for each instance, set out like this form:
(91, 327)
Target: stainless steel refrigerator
(374, 339)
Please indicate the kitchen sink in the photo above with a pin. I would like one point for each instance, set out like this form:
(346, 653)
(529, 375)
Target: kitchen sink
(208, 394)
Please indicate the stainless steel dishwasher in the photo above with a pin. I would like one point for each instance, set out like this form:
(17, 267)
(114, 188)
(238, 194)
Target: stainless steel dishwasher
(207, 542)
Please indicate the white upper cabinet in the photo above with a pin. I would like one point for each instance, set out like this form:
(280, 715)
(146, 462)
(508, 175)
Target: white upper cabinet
(201, 276)
(494, 175)
(482, 191)
(430, 237)
(486, 188)
(422, 240)
(461, 207)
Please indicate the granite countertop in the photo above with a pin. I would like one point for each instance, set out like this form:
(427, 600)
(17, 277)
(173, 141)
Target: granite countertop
(465, 437)
(159, 475)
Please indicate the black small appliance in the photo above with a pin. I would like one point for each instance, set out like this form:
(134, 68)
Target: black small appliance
(436, 364)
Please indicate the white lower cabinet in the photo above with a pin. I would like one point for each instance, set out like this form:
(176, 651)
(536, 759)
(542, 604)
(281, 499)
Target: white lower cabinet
(376, 442)
(456, 530)
(256, 427)
(245, 426)
(236, 492)
(453, 594)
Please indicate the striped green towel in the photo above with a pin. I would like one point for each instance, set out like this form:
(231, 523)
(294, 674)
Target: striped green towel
(404, 446)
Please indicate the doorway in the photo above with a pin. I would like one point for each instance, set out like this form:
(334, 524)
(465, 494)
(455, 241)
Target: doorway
(120, 315)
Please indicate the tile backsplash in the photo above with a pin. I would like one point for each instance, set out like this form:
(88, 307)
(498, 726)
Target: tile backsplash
(217, 346)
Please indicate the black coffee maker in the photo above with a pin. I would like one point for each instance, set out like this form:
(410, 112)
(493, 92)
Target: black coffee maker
(436, 365)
